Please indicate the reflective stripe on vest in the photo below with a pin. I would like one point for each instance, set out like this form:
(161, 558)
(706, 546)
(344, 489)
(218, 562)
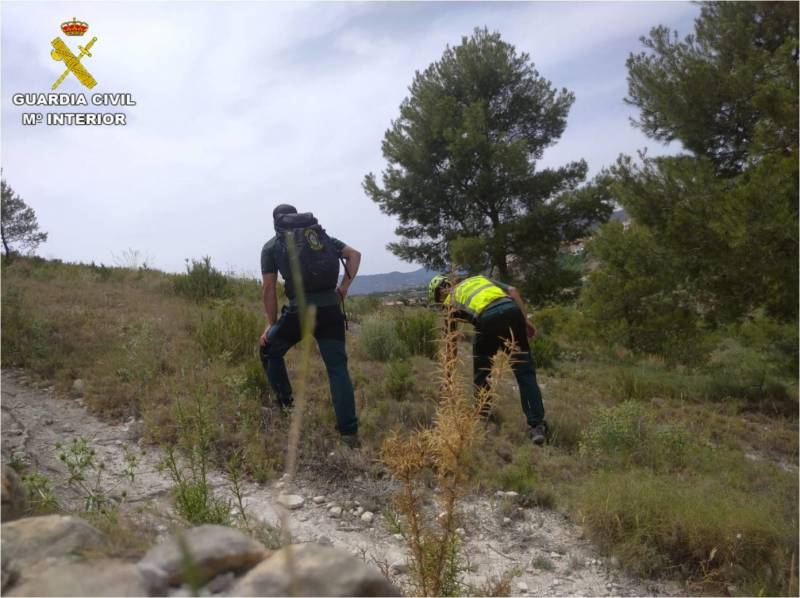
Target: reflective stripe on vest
(474, 294)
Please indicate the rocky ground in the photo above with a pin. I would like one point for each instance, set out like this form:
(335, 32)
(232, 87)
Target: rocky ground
(547, 552)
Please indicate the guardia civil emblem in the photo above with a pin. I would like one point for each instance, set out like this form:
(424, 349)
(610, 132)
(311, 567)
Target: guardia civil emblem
(62, 52)
(313, 239)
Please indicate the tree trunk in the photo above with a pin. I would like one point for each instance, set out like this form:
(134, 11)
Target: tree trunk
(5, 243)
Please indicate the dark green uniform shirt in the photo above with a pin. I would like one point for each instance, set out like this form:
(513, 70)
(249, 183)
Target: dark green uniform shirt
(269, 265)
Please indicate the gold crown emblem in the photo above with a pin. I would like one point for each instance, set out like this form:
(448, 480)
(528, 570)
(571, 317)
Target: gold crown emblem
(74, 27)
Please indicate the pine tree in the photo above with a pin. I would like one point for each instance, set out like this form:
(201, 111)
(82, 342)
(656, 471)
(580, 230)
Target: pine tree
(19, 229)
(462, 162)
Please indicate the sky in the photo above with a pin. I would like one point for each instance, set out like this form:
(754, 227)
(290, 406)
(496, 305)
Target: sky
(241, 106)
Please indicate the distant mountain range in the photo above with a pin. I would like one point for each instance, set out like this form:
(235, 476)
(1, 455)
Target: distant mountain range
(364, 284)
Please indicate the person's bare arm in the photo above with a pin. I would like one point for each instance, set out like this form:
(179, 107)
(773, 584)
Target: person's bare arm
(514, 294)
(352, 260)
(269, 296)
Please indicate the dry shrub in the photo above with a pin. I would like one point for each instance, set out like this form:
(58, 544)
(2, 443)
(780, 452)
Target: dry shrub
(445, 451)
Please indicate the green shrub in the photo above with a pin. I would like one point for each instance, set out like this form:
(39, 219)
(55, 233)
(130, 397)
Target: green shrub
(560, 321)
(202, 281)
(379, 340)
(419, 330)
(545, 351)
(623, 435)
(399, 381)
(713, 533)
(231, 330)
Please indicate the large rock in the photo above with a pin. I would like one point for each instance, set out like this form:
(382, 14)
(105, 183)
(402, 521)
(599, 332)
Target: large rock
(213, 549)
(27, 541)
(318, 571)
(13, 499)
(91, 578)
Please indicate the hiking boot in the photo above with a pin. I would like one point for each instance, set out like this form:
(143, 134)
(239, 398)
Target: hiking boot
(351, 440)
(538, 434)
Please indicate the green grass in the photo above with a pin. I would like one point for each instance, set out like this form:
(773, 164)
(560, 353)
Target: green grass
(697, 526)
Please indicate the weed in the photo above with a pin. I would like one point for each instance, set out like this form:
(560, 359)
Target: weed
(90, 477)
(543, 563)
(399, 382)
(41, 498)
(194, 498)
(447, 450)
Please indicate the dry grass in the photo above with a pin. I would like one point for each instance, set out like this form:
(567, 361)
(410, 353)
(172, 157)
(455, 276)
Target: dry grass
(138, 348)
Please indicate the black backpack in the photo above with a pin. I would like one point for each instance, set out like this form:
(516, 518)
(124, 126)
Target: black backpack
(319, 259)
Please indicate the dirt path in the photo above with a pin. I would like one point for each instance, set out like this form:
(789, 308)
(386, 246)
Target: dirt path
(546, 550)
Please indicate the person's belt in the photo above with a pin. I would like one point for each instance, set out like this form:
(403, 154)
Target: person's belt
(496, 307)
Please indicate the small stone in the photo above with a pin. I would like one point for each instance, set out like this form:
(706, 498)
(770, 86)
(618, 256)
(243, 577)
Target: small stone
(367, 517)
(461, 531)
(359, 511)
(512, 494)
(399, 567)
(335, 512)
(79, 386)
(324, 541)
(522, 587)
(291, 501)
(330, 504)
(397, 536)
(48, 422)
(318, 500)
(499, 494)
(506, 520)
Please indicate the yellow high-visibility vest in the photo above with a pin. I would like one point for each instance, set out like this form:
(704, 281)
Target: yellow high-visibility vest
(474, 294)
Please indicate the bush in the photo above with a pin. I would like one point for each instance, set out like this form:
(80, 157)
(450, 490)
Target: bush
(559, 321)
(545, 351)
(229, 330)
(202, 281)
(418, 329)
(379, 340)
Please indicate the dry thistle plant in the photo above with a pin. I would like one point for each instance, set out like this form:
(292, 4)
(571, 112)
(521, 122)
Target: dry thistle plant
(445, 450)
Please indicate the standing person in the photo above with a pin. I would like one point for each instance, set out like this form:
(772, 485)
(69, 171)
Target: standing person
(498, 314)
(318, 256)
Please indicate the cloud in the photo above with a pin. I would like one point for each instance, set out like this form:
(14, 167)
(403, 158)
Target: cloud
(244, 105)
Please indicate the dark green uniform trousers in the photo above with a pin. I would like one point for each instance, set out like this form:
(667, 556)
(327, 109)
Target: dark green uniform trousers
(493, 328)
(329, 334)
